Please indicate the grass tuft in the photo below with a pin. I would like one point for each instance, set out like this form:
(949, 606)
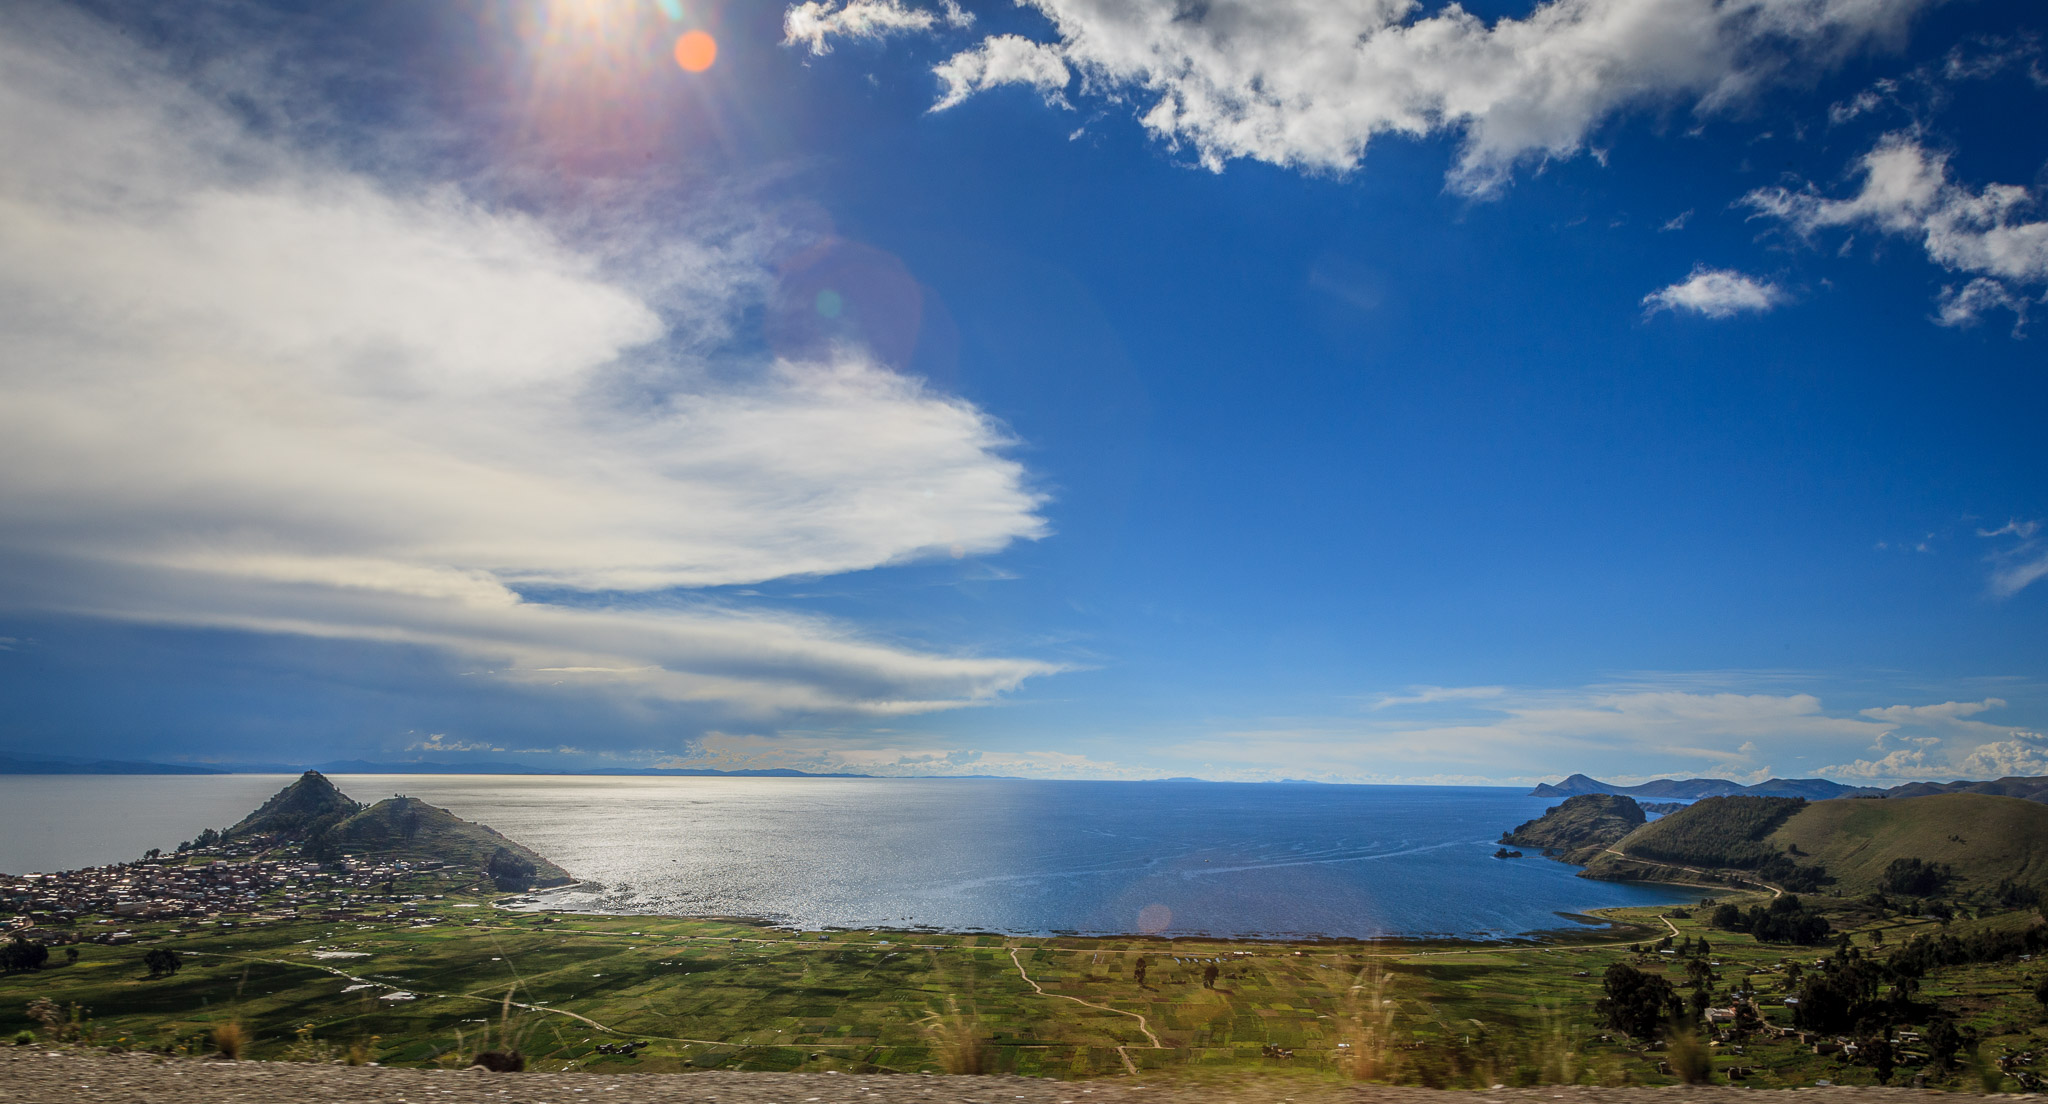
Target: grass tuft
(230, 1040)
(958, 1040)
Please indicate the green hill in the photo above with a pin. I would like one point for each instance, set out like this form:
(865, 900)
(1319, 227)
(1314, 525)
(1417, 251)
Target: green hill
(1716, 833)
(408, 828)
(303, 808)
(1581, 827)
(1984, 838)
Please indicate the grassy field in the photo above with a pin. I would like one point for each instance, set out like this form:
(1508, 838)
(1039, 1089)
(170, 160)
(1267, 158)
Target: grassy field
(1984, 838)
(724, 994)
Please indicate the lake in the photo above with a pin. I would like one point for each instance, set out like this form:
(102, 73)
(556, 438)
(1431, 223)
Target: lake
(1171, 858)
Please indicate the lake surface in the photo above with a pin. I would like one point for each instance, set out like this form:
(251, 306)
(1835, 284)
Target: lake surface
(1174, 858)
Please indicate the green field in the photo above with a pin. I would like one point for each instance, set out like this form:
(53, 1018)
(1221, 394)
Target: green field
(734, 995)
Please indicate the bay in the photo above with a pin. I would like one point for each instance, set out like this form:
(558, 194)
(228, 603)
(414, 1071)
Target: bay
(1013, 856)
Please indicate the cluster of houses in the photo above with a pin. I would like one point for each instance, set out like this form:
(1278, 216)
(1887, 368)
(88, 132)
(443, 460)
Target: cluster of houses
(203, 885)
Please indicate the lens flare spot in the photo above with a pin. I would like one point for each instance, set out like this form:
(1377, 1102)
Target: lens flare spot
(830, 304)
(695, 51)
(671, 8)
(1154, 918)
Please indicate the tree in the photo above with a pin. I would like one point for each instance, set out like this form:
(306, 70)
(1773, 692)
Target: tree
(510, 871)
(71, 956)
(162, 962)
(1637, 1004)
(1209, 975)
(152, 853)
(1139, 967)
(23, 955)
(1877, 1050)
(2041, 992)
(1943, 1040)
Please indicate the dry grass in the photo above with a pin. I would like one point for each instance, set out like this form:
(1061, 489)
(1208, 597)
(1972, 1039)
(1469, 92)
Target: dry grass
(1688, 1055)
(1369, 1025)
(230, 1039)
(958, 1040)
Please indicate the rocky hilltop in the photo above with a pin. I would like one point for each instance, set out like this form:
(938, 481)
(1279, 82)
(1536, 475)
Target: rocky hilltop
(325, 823)
(1581, 828)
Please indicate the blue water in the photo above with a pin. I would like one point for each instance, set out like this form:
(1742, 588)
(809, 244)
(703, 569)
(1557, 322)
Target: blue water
(1172, 858)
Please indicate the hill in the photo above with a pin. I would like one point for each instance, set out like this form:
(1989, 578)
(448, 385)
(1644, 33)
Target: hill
(2027, 789)
(408, 828)
(305, 807)
(1984, 838)
(1581, 827)
(1716, 833)
(322, 820)
(1690, 789)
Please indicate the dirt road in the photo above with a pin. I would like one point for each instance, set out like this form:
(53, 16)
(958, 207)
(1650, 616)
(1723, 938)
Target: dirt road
(34, 1075)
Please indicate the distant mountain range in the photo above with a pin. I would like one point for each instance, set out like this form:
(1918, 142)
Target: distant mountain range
(1812, 789)
(1692, 789)
(12, 765)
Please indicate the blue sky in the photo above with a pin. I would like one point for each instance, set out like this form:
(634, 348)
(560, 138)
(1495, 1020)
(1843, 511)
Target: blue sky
(1360, 392)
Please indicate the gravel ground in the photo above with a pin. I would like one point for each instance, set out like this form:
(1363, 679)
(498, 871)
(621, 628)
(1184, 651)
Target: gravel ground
(33, 1075)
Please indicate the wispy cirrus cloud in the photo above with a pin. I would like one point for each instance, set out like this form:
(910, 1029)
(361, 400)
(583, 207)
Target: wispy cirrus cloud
(250, 385)
(2022, 558)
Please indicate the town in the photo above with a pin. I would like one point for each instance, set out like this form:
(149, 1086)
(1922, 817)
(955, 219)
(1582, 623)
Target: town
(227, 885)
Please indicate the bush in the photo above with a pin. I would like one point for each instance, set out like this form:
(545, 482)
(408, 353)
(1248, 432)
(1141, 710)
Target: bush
(1687, 1055)
(230, 1039)
(24, 1038)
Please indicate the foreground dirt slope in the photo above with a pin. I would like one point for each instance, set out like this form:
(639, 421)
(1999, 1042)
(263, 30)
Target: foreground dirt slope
(32, 1075)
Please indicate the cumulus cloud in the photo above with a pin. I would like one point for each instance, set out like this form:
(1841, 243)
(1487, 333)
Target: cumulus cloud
(1716, 293)
(2025, 756)
(815, 22)
(1906, 190)
(248, 386)
(1310, 84)
(1002, 59)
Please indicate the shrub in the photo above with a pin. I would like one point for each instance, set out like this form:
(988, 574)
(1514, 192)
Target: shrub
(24, 1038)
(1687, 1055)
(230, 1039)
(959, 1041)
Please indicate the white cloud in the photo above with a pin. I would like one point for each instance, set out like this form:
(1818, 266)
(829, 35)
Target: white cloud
(441, 741)
(1716, 293)
(1430, 695)
(1906, 190)
(1903, 764)
(1945, 713)
(1525, 733)
(1309, 84)
(246, 386)
(2022, 562)
(999, 60)
(2026, 756)
(814, 22)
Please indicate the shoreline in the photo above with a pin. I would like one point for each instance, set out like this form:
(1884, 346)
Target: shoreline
(1603, 928)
